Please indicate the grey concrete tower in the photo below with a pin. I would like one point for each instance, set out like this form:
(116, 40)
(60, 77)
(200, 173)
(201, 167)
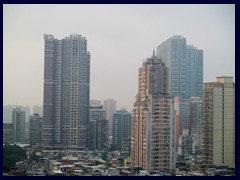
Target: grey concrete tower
(66, 92)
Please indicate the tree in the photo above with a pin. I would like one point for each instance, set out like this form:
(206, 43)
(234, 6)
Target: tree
(11, 155)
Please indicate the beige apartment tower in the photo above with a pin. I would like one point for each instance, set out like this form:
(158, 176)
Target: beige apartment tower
(153, 140)
(219, 122)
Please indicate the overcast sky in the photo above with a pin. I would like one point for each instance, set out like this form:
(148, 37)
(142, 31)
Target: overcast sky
(119, 38)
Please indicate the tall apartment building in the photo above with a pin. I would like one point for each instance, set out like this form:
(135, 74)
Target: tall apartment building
(185, 64)
(153, 140)
(18, 120)
(121, 130)
(98, 136)
(8, 133)
(219, 122)
(35, 131)
(110, 106)
(66, 92)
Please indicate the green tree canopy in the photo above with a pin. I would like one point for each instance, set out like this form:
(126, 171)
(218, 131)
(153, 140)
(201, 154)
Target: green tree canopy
(11, 155)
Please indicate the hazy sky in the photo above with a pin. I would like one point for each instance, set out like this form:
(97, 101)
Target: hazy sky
(119, 38)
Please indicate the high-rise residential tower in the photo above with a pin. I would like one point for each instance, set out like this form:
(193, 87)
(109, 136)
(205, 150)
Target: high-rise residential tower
(153, 140)
(110, 106)
(185, 64)
(219, 122)
(18, 120)
(35, 131)
(66, 92)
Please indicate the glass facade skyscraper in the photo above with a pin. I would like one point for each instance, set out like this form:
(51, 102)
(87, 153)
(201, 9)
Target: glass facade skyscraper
(194, 72)
(185, 64)
(121, 127)
(66, 92)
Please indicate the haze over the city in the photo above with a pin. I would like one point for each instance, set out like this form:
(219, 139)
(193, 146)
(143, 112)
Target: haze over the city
(119, 38)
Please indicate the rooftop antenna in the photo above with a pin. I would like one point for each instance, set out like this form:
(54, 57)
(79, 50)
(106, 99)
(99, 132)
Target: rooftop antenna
(154, 48)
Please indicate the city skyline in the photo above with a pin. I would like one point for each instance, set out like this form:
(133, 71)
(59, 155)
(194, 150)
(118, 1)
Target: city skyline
(119, 38)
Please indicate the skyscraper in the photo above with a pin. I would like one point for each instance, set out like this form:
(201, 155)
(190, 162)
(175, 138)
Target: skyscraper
(35, 131)
(18, 120)
(66, 92)
(185, 64)
(219, 122)
(110, 106)
(153, 140)
(98, 131)
(194, 71)
(121, 127)
(27, 110)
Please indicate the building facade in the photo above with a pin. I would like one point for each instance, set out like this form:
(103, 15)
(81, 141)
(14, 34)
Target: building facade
(185, 65)
(35, 131)
(219, 122)
(196, 121)
(98, 131)
(18, 120)
(8, 137)
(121, 129)
(109, 105)
(187, 144)
(66, 92)
(27, 111)
(194, 71)
(153, 140)
(182, 109)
